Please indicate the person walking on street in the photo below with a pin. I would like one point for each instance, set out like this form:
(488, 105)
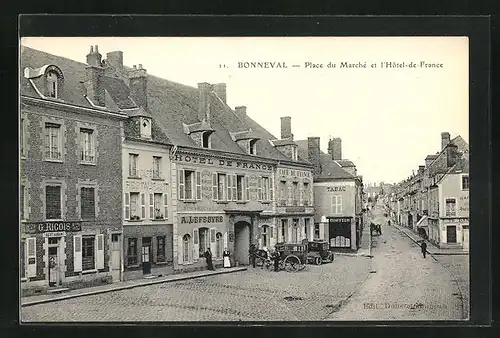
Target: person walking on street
(208, 257)
(423, 246)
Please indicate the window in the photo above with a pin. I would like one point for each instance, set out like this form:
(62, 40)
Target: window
(53, 141)
(145, 127)
(22, 203)
(283, 192)
(306, 194)
(465, 182)
(134, 206)
(295, 189)
(284, 230)
(156, 167)
(253, 147)
(264, 189)
(132, 165)
(87, 203)
(307, 223)
(316, 230)
(132, 251)
(88, 257)
(189, 185)
(87, 145)
(204, 241)
(189, 181)
(52, 84)
(221, 187)
(160, 247)
(21, 136)
(158, 211)
(218, 245)
(53, 202)
(265, 235)
(205, 139)
(239, 187)
(336, 204)
(186, 248)
(295, 230)
(451, 205)
(294, 153)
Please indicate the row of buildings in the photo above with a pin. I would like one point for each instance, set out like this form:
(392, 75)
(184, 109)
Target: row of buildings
(434, 200)
(125, 173)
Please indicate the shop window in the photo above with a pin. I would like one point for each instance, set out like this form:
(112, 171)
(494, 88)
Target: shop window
(465, 182)
(218, 245)
(88, 253)
(87, 203)
(53, 202)
(132, 165)
(186, 248)
(132, 251)
(53, 141)
(156, 167)
(451, 207)
(204, 242)
(160, 254)
(87, 145)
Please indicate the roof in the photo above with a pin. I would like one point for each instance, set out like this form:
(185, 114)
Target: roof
(345, 163)
(329, 168)
(436, 167)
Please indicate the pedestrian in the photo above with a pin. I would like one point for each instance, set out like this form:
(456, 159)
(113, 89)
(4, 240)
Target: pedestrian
(208, 257)
(252, 253)
(276, 260)
(389, 222)
(226, 255)
(423, 246)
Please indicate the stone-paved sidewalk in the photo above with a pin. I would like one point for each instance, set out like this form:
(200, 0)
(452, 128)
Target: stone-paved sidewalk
(27, 301)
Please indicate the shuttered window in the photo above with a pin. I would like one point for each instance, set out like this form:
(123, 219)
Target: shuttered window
(132, 251)
(53, 141)
(88, 253)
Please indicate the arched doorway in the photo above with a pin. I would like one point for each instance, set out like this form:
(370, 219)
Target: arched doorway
(241, 242)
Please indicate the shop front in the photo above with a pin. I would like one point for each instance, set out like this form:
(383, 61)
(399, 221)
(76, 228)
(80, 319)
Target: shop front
(453, 232)
(342, 233)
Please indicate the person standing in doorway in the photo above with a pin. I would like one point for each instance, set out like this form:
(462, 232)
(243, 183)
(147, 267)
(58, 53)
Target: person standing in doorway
(208, 257)
(226, 255)
(423, 246)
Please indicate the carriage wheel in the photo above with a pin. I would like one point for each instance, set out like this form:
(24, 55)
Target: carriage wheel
(269, 265)
(292, 263)
(317, 261)
(331, 257)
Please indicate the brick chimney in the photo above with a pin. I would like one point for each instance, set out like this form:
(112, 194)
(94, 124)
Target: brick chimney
(452, 155)
(94, 73)
(445, 139)
(421, 169)
(314, 153)
(241, 111)
(335, 148)
(286, 128)
(204, 90)
(115, 59)
(220, 90)
(139, 85)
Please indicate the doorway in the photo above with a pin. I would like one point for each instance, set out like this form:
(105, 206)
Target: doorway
(465, 234)
(451, 234)
(115, 257)
(147, 255)
(55, 265)
(241, 242)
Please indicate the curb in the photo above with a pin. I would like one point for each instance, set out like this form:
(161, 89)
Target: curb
(126, 287)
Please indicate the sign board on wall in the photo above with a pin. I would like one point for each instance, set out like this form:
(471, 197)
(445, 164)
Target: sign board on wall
(190, 219)
(50, 226)
(193, 159)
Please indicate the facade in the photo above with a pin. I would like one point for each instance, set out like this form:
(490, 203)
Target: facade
(70, 174)
(338, 198)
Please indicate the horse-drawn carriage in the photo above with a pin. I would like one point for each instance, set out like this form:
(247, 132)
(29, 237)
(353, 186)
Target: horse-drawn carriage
(292, 257)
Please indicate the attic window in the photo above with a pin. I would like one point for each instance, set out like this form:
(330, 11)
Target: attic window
(52, 89)
(253, 147)
(145, 127)
(294, 154)
(205, 140)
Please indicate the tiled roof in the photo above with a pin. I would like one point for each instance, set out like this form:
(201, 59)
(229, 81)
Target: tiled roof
(329, 169)
(345, 163)
(462, 147)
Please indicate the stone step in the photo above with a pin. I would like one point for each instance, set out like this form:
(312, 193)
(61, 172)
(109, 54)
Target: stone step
(58, 290)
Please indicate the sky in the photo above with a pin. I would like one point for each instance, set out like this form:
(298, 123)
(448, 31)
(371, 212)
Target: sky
(389, 119)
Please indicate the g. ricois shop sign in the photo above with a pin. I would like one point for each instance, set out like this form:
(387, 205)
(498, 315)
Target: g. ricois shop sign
(193, 159)
(44, 227)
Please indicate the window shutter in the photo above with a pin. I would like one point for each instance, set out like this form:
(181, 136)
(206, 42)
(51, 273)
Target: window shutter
(99, 259)
(214, 186)
(127, 205)
(180, 250)
(165, 203)
(235, 193)
(271, 188)
(213, 243)
(229, 184)
(247, 188)
(259, 184)
(77, 253)
(198, 185)
(225, 240)
(151, 206)
(181, 184)
(143, 206)
(196, 245)
(31, 257)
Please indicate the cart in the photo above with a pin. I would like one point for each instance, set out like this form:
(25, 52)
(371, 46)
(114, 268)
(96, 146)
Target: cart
(293, 257)
(318, 252)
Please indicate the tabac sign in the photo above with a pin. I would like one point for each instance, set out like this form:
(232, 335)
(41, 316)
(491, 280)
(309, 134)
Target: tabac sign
(42, 227)
(192, 159)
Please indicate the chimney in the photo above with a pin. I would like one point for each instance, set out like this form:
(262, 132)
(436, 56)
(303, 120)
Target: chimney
(115, 59)
(421, 169)
(286, 128)
(204, 89)
(139, 85)
(241, 111)
(451, 155)
(313, 153)
(335, 148)
(94, 73)
(445, 139)
(220, 90)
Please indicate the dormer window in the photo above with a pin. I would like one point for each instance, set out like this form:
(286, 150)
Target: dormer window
(145, 127)
(253, 147)
(205, 140)
(294, 154)
(52, 89)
